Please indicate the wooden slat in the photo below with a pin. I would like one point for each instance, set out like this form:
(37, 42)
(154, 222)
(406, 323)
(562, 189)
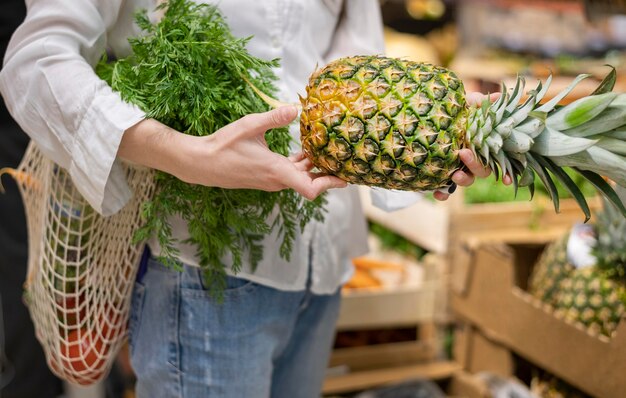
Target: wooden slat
(383, 355)
(374, 378)
(425, 223)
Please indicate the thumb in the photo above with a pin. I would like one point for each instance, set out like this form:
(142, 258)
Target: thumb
(261, 122)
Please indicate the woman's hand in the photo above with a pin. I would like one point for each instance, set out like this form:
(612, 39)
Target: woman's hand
(235, 156)
(474, 167)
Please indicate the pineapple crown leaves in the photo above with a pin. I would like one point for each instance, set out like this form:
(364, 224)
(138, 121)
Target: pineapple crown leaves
(532, 139)
(189, 72)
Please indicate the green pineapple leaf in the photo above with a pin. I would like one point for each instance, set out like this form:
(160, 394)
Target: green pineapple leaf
(604, 188)
(568, 183)
(608, 83)
(545, 178)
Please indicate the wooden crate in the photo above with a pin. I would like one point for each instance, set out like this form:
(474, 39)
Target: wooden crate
(466, 385)
(475, 352)
(422, 306)
(411, 304)
(362, 368)
(491, 295)
(438, 226)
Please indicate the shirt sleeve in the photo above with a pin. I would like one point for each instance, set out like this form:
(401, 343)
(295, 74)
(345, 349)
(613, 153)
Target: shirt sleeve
(52, 91)
(359, 30)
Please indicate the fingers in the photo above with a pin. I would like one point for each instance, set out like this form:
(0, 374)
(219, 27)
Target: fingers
(312, 186)
(507, 180)
(441, 196)
(322, 183)
(317, 183)
(476, 170)
(304, 165)
(462, 178)
(297, 157)
(476, 98)
(258, 123)
(474, 166)
(299, 178)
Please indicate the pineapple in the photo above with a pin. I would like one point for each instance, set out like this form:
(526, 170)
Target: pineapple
(545, 385)
(400, 124)
(594, 296)
(590, 298)
(610, 248)
(551, 269)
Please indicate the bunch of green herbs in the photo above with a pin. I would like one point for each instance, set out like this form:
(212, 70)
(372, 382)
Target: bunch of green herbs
(187, 71)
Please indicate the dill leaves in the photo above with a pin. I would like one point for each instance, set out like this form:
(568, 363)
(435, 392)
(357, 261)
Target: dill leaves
(186, 72)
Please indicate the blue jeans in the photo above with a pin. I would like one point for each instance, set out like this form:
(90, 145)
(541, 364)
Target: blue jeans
(259, 342)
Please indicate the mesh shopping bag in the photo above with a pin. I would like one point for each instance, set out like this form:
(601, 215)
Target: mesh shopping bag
(81, 267)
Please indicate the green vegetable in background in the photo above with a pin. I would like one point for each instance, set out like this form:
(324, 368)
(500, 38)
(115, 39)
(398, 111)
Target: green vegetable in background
(390, 240)
(488, 190)
(187, 72)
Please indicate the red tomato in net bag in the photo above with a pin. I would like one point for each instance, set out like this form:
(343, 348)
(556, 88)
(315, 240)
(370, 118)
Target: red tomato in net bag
(114, 324)
(71, 311)
(83, 354)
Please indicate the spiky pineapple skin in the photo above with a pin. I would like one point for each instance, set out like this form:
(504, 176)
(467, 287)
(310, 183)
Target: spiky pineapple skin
(585, 296)
(591, 299)
(549, 272)
(385, 122)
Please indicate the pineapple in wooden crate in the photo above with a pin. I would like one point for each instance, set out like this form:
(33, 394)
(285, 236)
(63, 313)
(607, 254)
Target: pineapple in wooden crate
(592, 295)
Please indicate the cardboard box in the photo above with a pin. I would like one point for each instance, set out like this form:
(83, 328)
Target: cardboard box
(490, 294)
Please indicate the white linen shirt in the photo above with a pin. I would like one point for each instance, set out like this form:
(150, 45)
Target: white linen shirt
(51, 90)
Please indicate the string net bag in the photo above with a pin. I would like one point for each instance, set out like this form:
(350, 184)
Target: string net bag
(81, 267)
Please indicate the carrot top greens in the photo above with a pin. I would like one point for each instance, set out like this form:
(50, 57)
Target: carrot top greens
(186, 71)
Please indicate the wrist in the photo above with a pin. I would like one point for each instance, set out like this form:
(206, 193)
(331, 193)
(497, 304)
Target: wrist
(152, 144)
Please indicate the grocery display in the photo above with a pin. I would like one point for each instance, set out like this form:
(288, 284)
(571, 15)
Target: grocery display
(610, 244)
(546, 385)
(488, 294)
(592, 294)
(588, 297)
(511, 277)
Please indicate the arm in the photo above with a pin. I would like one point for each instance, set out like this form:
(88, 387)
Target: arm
(51, 90)
(83, 126)
(244, 158)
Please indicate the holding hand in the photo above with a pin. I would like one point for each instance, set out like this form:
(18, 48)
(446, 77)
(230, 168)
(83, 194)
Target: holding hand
(236, 156)
(244, 160)
(474, 168)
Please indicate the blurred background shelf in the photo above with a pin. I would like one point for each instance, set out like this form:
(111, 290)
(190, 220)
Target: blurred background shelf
(494, 301)
(373, 378)
(437, 226)
(470, 326)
